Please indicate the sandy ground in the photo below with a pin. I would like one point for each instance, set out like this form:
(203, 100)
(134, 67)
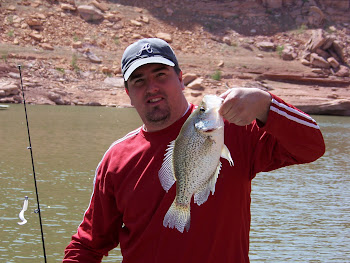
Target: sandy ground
(63, 74)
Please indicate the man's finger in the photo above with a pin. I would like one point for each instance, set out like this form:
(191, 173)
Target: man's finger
(224, 95)
(226, 106)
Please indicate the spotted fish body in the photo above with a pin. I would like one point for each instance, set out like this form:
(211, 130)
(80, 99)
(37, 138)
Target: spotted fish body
(192, 160)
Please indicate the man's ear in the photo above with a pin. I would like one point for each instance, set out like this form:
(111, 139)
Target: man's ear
(127, 91)
(181, 80)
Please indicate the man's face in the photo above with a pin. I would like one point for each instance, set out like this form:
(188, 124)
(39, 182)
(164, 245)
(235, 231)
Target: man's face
(155, 90)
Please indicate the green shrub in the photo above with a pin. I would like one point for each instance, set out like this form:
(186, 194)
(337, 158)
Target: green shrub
(4, 57)
(11, 33)
(302, 29)
(279, 50)
(60, 70)
(75, 38)
(116, 40)
(74, 62)
(216, 75)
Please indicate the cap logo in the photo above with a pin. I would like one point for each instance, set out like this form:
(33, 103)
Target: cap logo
(147, 47)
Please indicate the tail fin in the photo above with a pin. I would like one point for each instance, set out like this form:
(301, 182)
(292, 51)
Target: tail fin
(178, 216)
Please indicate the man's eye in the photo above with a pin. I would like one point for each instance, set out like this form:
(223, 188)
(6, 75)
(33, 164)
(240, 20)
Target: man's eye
(138, 81)
(161, 74)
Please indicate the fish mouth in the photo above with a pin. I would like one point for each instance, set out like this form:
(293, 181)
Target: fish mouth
(209, 130)
(206, 127)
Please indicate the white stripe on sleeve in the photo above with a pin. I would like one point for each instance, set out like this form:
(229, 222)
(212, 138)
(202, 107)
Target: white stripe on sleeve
(286, 114)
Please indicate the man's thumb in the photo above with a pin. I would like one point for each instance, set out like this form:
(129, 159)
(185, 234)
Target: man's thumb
(224, 95)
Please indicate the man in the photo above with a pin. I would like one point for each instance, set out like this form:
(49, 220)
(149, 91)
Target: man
(128, 204)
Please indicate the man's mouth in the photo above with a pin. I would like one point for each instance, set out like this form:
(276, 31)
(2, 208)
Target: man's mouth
(154, 100)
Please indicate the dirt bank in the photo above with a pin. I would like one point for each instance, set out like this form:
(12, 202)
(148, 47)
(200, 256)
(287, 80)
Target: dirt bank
(68, 60)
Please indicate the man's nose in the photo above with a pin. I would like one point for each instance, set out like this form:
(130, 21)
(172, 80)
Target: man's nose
(152, 85)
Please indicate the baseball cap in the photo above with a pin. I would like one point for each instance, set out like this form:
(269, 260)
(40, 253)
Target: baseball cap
(146, 51)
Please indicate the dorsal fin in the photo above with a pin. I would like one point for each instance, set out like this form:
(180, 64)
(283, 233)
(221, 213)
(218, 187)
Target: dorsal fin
(166, 173)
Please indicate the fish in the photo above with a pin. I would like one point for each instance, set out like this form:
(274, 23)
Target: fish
(192, 160)
(21, 214)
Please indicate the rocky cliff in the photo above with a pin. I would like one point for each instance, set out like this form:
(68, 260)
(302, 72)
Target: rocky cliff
(70, 50)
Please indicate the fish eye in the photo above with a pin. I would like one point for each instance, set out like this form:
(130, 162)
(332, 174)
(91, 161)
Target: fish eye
(202, 109)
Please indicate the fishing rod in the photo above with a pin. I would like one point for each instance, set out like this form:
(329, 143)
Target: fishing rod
(31, 155)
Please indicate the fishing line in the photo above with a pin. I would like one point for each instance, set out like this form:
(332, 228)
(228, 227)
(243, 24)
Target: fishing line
(31, 155)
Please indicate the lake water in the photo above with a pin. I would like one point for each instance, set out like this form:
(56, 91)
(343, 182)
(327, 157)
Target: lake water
(299, 214)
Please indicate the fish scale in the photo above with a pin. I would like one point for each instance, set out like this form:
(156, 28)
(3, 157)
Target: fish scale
(192, 160)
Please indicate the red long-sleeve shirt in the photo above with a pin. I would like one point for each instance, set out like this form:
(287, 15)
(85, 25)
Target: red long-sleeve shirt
(128, 203)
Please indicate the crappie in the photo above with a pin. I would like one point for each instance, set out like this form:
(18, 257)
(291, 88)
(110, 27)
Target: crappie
(193, 161)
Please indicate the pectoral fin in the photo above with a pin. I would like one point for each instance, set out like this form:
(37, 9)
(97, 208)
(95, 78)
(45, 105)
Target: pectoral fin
(201, 196)
(225, 153)
(166, 173)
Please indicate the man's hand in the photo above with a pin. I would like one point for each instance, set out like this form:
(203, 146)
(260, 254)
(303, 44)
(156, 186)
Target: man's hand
(243, 105)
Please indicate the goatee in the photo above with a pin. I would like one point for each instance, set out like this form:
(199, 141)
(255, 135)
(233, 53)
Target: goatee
(158, 115)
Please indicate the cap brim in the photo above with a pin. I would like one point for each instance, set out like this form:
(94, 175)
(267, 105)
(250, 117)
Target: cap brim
(143, 61)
